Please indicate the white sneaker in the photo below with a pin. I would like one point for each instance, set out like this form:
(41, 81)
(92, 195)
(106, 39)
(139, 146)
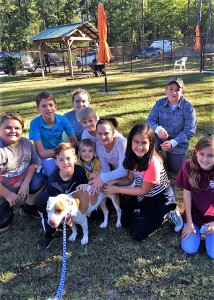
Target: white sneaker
(175, 218)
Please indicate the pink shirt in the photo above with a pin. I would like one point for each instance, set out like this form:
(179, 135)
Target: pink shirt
(155, 174)
(152, 174)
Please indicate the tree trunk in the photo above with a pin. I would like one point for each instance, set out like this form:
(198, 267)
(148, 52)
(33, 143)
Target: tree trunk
(209, 17)
(188, 17)
(199, 13)
(142, 37)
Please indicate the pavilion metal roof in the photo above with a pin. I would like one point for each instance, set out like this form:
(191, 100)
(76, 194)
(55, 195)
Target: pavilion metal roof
(60, 33)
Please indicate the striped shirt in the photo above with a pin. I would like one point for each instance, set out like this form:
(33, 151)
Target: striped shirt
(155, 174)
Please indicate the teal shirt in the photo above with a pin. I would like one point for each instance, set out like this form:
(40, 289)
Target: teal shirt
(50, 137)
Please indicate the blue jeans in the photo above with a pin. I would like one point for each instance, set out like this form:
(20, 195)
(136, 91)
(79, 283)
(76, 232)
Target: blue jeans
(6, 211)
(174, 161)
(191, 244)
(37, 182)
(49, 166)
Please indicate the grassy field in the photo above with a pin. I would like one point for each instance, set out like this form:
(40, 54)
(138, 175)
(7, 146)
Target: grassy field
(112, 266)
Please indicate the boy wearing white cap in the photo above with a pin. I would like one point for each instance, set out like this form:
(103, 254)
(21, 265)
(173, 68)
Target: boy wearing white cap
(173, 120)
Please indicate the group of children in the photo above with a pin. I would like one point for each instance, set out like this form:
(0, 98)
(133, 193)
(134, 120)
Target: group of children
(108, 161)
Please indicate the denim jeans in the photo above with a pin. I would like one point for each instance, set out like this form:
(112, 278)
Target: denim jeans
(49, 166)
(174, 161)
(6, 211)
(191, 244)
(37, 182)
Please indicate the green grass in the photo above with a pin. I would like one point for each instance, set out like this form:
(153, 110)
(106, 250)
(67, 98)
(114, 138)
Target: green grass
(112, 266)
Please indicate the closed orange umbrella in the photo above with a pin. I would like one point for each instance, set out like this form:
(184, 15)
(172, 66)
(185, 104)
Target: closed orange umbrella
(197, 46)
(104, 53)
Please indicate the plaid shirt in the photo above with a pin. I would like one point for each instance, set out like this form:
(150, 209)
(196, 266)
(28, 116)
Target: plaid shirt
(180, 123)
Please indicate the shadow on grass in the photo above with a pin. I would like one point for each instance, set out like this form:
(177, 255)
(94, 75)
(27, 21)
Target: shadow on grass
(112, 266)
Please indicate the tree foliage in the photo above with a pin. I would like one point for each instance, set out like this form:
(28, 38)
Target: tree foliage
(22, 19)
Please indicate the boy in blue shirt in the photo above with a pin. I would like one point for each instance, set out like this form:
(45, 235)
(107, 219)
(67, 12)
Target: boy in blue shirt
(46, 130)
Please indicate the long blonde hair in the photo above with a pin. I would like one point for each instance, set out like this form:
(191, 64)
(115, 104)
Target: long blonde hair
(195, 169)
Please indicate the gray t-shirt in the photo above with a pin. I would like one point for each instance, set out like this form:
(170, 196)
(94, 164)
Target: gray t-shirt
(14, 161)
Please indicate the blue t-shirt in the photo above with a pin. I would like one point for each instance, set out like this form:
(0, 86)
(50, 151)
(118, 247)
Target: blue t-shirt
(50, 137)
(78, 128)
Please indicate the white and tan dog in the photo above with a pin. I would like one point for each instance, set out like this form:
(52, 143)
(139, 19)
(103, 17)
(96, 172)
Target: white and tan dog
(76, 207)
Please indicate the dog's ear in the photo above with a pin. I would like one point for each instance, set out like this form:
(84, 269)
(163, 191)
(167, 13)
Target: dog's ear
(77, 202)
(60, 206)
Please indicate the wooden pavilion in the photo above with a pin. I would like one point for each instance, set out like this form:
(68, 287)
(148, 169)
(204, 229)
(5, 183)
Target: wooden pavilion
(66, 36)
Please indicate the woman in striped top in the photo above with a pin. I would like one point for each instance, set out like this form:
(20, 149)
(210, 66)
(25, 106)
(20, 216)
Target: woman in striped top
(148, 197)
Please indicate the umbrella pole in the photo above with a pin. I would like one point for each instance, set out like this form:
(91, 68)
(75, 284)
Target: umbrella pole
(106, 83)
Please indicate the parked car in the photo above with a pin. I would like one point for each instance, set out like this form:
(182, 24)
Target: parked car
(146, 53)
(27, 61)
(49, 59)
(88, 58)
(164, 45)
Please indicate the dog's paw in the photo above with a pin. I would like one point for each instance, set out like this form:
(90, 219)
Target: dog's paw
(118, 224)
(103, 225)
(72, 237)
(84, 241)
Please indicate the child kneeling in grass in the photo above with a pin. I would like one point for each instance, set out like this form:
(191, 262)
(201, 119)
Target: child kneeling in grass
(147, 196)
(64, 180)
(197, 180)
(18, 164)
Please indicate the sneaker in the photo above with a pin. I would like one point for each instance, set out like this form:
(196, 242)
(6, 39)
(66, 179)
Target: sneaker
(45, 242)
(175, 218)
(30, 210)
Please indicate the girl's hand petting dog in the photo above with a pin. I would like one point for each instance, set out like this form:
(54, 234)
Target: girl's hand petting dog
(97, 185)
(110, 190)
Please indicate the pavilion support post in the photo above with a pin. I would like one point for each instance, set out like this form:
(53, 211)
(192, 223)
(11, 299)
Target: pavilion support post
(40, 59)
(70, 58)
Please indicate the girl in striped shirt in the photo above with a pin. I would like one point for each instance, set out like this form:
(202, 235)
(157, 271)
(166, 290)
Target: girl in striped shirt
(147, 196)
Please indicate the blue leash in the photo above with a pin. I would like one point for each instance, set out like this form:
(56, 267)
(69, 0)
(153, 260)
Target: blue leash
(58, 295)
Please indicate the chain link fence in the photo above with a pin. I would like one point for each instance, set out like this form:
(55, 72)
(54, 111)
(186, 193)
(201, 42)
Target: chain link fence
(202, 60)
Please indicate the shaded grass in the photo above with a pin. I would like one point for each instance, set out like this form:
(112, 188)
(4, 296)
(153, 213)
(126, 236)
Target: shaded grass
(112, 266)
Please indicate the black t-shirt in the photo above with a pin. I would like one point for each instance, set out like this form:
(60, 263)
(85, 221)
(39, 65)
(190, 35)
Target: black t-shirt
(58, 186)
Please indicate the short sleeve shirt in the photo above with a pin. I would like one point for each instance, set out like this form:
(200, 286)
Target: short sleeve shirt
(155, 174)
(50, 137)
(78, 128)
(202, 199)
(87, 135)
(14, 161)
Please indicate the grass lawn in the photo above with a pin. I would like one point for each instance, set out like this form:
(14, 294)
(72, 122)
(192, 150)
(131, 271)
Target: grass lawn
(112, 266)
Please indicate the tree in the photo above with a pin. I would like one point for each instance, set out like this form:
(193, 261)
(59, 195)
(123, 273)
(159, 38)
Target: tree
(127, 20)
(209, 17)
